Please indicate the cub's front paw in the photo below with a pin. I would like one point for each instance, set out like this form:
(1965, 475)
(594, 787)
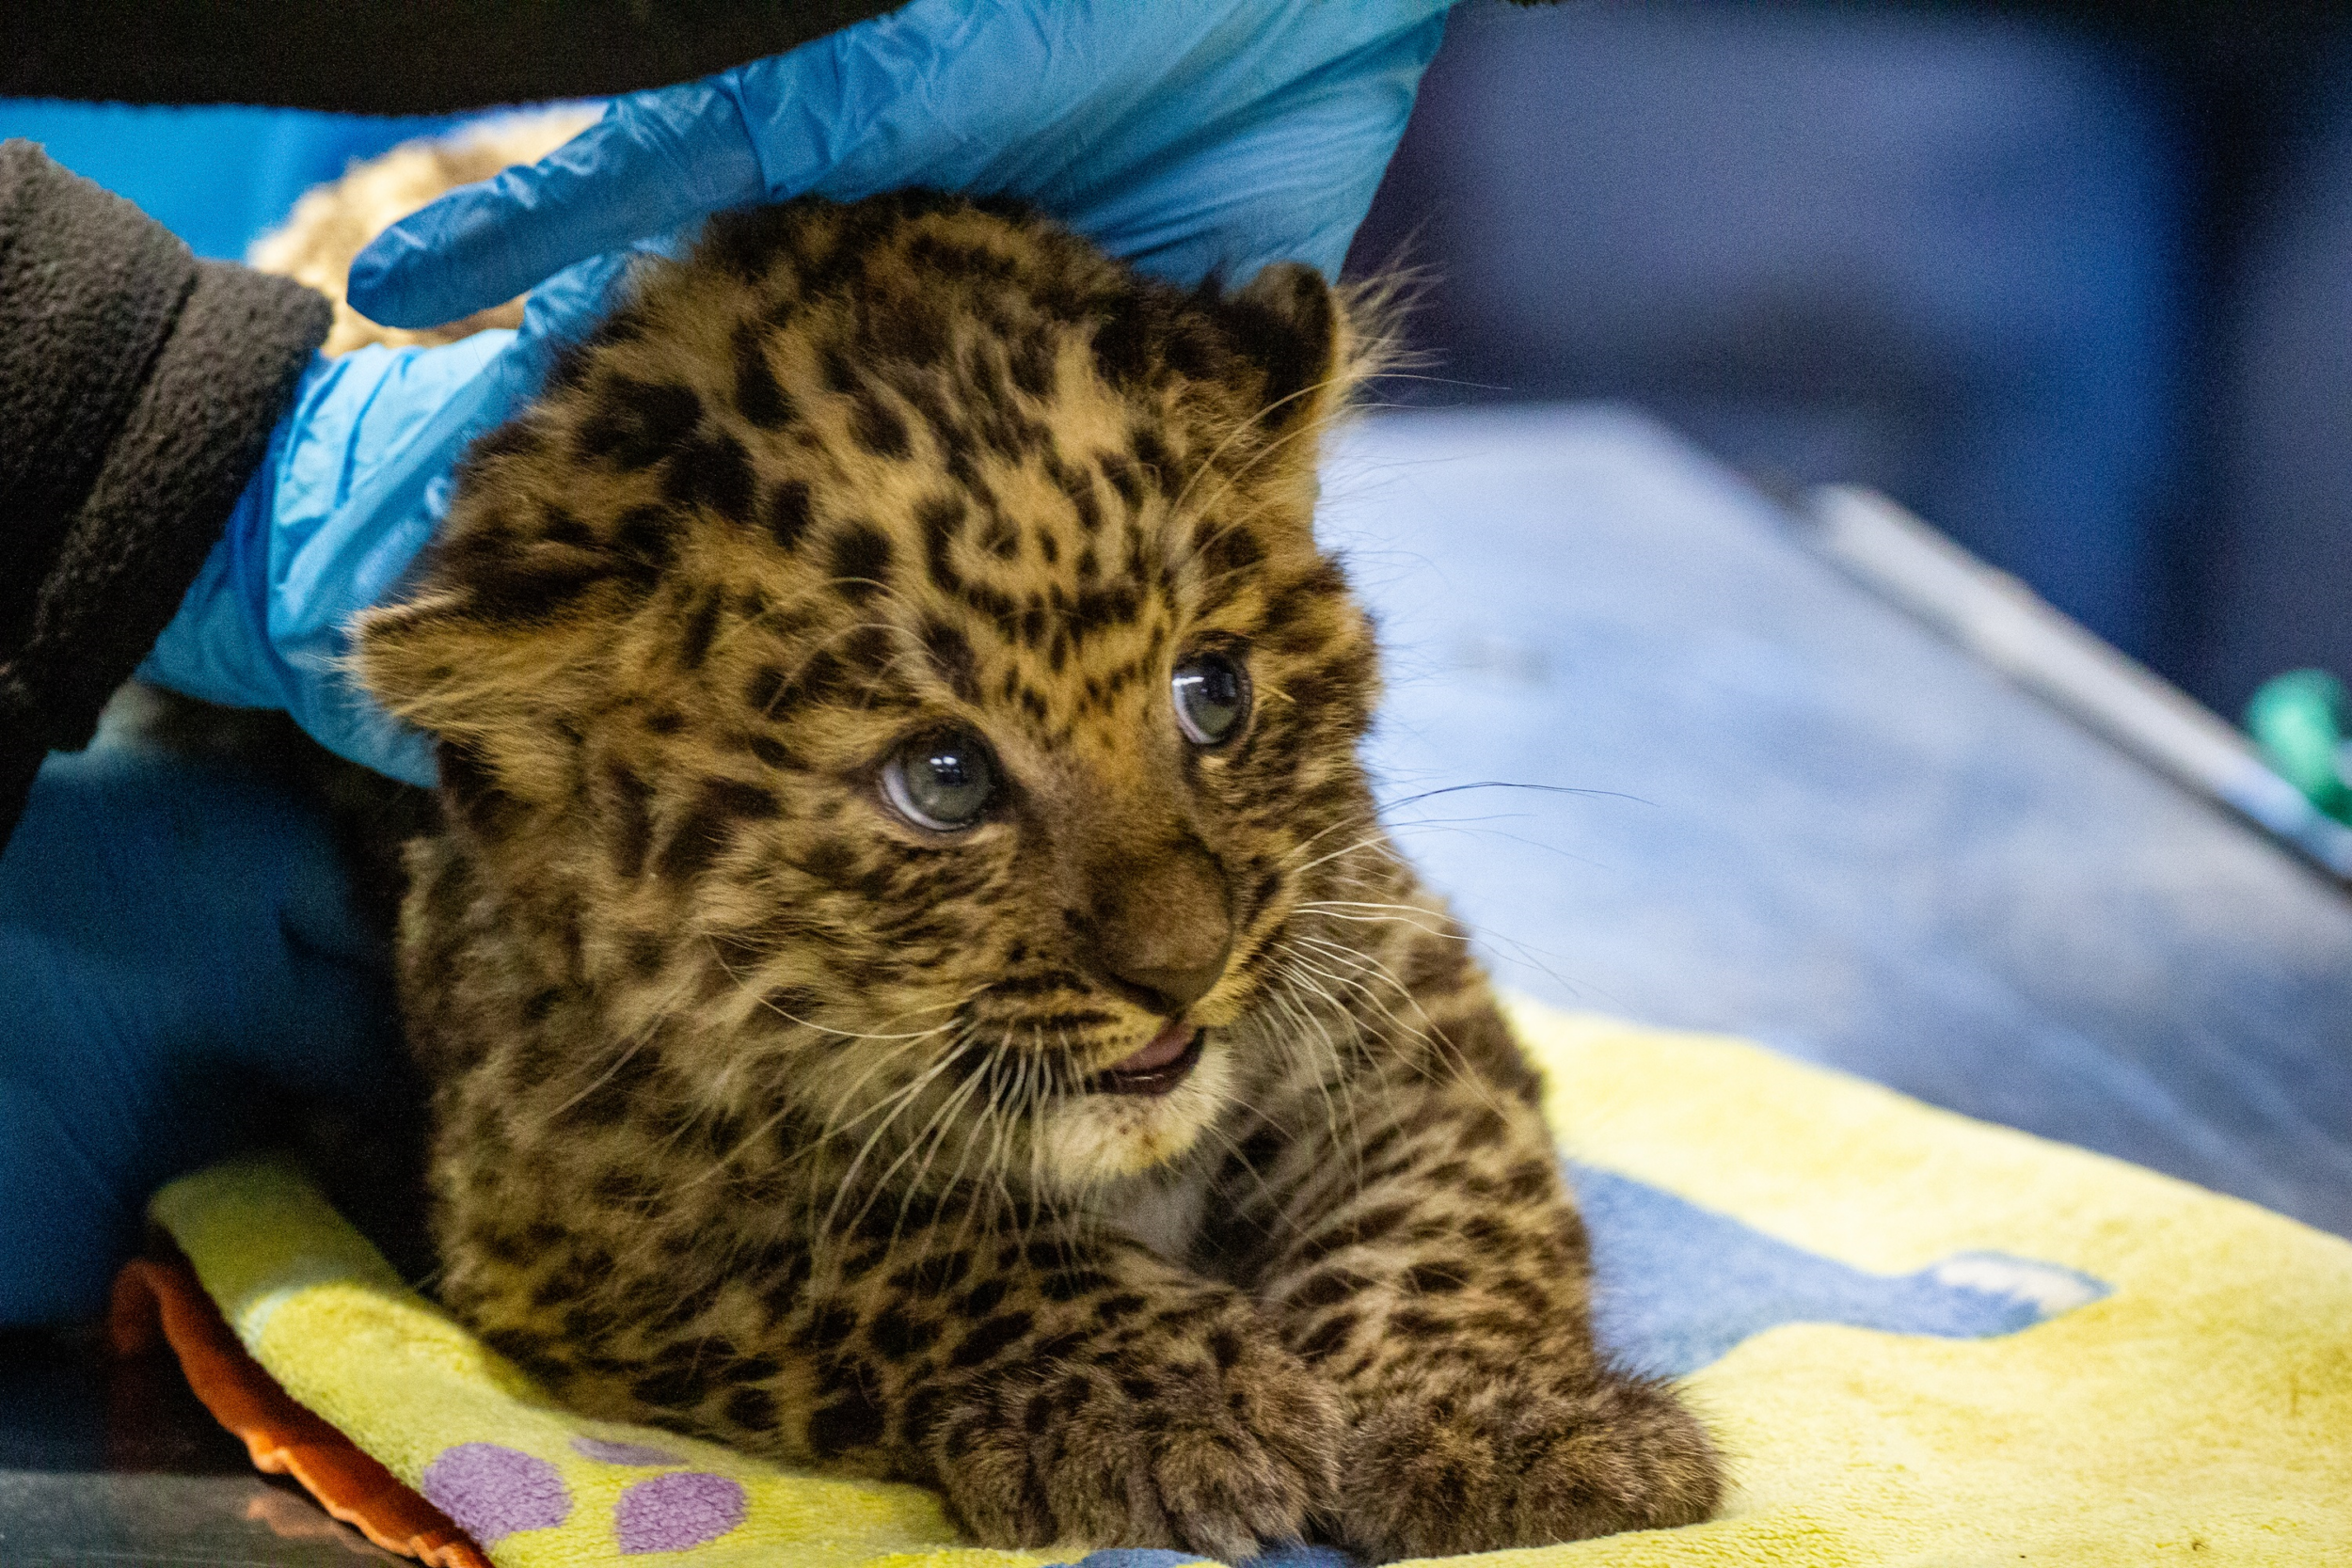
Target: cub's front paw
(1497, 1467)
(1215, 1439)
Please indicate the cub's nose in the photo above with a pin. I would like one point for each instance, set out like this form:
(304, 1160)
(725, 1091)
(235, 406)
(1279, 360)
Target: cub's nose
(1159, 924)
(1176, 986)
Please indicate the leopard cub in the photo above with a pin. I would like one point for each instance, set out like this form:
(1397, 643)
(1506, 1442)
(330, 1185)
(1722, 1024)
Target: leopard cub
(911, 971)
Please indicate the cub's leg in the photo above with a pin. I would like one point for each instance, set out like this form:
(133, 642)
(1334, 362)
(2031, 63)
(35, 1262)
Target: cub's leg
(1090, 1392)
(1056, 1389)
(1434, 1272)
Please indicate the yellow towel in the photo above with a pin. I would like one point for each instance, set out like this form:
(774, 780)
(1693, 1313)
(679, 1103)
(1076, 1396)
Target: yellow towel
(1921, 1339)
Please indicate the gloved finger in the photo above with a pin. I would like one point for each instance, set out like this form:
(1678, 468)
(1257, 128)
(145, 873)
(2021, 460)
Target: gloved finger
(358, 480)
(332, 1031)
(1047, 101)
(655, 161)
(1063, 105)
(387, 509)
(378, 467)
(66, 1222)
(134, 860)
(563, 310)
(332, 519)
(1286, 179)
(257, 954)
(176, 942)
(334, 1019)
(336, 548)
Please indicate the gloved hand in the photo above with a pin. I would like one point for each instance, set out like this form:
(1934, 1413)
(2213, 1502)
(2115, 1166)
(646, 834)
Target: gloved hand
(1187, 135)
(358, 476)
(174, 943)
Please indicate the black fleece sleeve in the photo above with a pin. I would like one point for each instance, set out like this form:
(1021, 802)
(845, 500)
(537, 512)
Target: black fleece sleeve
(138, 389)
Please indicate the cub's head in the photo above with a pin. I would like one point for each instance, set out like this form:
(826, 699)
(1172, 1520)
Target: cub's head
(896, 650)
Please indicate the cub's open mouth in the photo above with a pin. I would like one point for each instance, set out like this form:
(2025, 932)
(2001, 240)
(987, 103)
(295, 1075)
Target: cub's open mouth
(1156, 1069)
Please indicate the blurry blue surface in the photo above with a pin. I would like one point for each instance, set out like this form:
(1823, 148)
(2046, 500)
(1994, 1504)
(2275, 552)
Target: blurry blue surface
(1931, 250)
(2280, 582)
(216, 176)
(147, 1023)
(1786, 811)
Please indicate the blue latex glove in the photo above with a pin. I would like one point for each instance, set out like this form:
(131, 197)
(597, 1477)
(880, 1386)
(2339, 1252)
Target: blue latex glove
(1190, 137)
(358, 476)
(175, 943)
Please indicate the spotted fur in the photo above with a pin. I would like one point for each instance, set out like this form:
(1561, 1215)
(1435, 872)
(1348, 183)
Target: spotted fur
(330, 224)
(767, 1113)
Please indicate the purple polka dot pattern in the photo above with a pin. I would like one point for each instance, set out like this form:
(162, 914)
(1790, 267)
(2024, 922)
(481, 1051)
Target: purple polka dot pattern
(672, 1513)
(492, 1490)
(610, 1452)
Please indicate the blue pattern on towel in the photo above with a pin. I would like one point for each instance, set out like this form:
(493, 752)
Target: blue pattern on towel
(1678, 1285)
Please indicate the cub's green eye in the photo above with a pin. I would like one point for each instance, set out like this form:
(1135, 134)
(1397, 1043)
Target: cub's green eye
(941, 780)
(1212, 698)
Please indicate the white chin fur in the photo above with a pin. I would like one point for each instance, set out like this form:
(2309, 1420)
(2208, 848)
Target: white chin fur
(1088, 1139)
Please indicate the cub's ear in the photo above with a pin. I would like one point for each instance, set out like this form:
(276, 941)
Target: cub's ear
(501, 687)
(1289, 323)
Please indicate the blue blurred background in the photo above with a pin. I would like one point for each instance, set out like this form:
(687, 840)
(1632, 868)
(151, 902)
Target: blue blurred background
(2075, 282)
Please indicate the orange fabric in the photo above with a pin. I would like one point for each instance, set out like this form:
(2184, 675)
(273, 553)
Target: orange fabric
(283, 1437)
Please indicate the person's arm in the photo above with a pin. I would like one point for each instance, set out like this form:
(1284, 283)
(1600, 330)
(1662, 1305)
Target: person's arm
(179, 945)
(138, 388)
